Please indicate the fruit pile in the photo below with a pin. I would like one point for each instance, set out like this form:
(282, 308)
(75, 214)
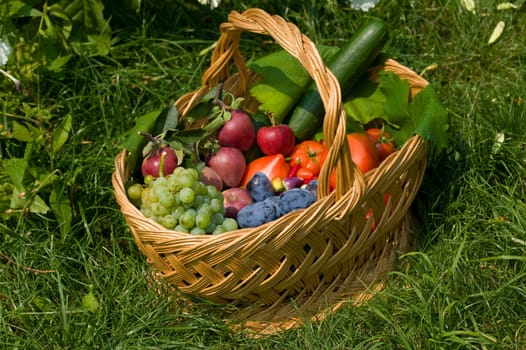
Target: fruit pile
(240, 174)
(225, 168)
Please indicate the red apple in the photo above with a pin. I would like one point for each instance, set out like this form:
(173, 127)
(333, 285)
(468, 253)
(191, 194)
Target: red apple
(276, 139)
(238, 132)
(235, 198)
(230, 164)
(210, 177)
(151, 165)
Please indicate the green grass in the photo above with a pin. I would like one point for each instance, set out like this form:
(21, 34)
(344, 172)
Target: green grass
(465, 287)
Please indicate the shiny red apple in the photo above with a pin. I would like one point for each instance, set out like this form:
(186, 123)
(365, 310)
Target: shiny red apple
(275, 139)
(235, 198)
(238, 132)
(230, 164)
(161, 162)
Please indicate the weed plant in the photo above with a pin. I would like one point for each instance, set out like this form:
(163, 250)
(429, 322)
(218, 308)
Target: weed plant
(88, 287)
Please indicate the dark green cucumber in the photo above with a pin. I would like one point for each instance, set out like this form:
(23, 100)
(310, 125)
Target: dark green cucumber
(348, 64)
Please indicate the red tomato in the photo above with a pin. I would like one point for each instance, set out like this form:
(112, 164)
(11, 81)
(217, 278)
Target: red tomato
(305, 174)
(385, 144)
(363, 154)
(310, 155)
(273, 166)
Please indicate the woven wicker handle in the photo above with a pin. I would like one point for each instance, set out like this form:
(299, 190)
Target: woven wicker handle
(289, 37)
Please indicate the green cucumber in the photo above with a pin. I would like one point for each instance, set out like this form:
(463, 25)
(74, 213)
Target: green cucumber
(348, 64)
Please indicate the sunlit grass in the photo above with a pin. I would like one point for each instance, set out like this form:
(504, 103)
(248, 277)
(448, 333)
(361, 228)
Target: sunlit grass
(463, 289)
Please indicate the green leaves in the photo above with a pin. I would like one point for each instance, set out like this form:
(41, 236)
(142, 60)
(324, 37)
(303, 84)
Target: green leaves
(390, 100)
(285, 80)
(90, 33)
(52, 35)
(16, 169)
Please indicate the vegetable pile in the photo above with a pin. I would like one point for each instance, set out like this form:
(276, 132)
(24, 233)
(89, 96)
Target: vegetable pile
(240, 170)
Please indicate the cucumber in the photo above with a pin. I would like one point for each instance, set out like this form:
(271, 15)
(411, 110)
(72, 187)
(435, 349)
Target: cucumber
(349, 63)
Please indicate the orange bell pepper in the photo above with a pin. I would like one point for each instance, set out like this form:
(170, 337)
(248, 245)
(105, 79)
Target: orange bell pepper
(274, 166)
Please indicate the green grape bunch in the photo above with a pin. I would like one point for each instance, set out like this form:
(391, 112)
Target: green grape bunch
(180, 201)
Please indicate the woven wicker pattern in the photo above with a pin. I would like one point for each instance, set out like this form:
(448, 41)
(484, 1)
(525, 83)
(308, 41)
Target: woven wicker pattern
(320, 255)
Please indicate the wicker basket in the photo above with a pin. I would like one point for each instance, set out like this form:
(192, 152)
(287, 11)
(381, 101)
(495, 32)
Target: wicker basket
(309, 260)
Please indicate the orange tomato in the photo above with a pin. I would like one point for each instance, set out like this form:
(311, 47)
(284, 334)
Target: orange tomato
(273, 166)
(363, 154)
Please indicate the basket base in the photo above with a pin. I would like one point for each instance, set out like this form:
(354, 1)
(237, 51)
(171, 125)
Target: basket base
(356, 288)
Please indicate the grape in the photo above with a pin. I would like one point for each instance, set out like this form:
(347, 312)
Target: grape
(216, 205)
(230, 224)
(198, 231)
(180, 228)
(212, 191)
(173, 183)
(166, 199)
(203, 219)
(159, 210)
(219, 229)
(148, 179)
(210, 228)
(188, 218)
(168, 221)
(186, 195)
(180, 201)
(199, 200)
(177, 171)
(186, 179)
(205, 208)
(193, 172)
(218, 218)
(135, 191)
(200, 188)
(177, 212)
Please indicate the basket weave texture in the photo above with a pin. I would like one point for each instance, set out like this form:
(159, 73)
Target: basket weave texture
(317, 256)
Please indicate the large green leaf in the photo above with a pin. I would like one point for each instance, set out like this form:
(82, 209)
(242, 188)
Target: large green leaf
(284, 80)
(16, 168)
(396, 105)
(134, 142)
(61, 133)
(364, 102)
(431, 118)
(21, 132)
